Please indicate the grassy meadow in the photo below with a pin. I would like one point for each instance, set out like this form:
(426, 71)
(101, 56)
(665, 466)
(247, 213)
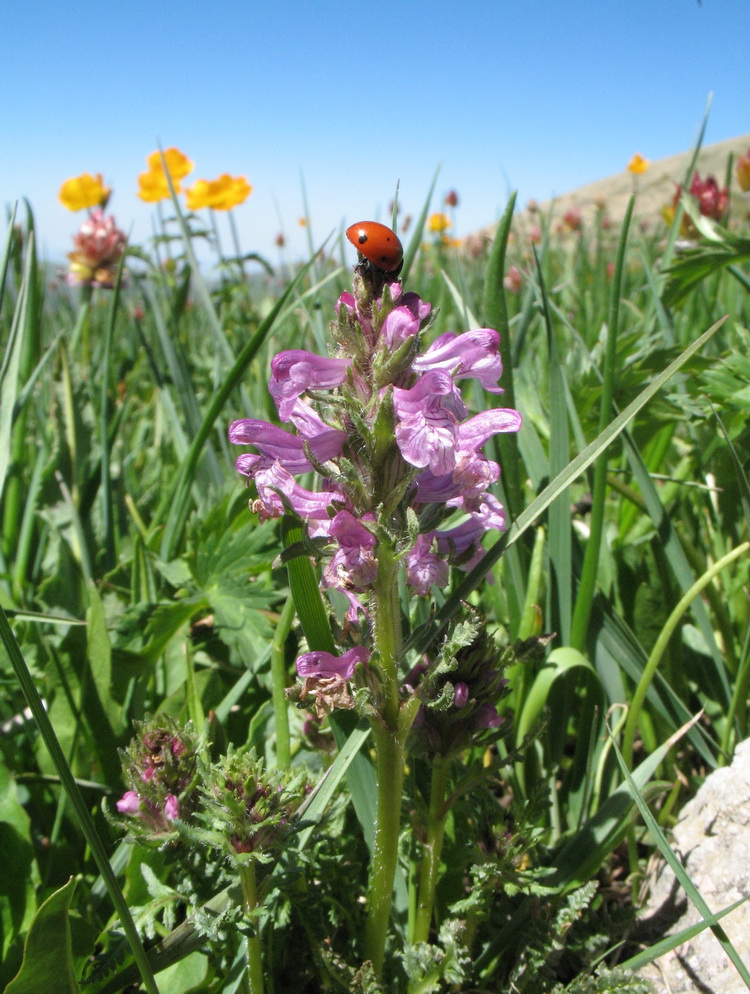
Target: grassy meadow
(148, 611)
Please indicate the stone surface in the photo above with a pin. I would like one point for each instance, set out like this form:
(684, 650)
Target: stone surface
(712, 840)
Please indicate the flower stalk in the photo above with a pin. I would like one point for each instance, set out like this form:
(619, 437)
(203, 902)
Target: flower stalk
(278, 678)
(390, 769)
(250, 901)
(428, 876)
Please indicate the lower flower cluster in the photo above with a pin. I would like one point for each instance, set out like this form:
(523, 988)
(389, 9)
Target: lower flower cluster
(160, 769)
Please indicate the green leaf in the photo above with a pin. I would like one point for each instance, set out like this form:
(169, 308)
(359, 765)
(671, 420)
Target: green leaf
(18, 872)
(99, 655)
(47, 956)
(495, 315)
(185, 976)
(9, 372)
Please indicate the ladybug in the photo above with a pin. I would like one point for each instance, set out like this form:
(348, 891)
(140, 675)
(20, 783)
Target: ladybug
(378, 244)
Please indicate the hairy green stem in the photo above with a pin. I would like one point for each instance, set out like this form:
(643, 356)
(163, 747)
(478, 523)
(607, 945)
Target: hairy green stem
(250, 899)
(389, 742)
(433, 848)
(387, 635)
(390, 769)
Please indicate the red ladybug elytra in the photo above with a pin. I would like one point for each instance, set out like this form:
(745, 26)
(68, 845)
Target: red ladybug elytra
(378, 244)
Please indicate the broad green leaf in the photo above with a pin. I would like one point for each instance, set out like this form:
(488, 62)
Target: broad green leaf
(47, 956)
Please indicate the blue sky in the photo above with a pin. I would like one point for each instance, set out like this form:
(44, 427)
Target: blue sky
(348, 98)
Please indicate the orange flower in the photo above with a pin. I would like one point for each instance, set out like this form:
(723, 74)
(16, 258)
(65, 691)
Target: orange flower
(438, 223)
(638, 164)
(222, 194)
(84, 191)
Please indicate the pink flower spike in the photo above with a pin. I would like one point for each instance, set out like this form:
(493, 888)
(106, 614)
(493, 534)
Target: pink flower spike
(295, 371)
(325, 664)
(172, 807)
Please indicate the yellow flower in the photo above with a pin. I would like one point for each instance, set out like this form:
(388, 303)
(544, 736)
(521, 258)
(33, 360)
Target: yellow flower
(742, 171)
(638, 164)
(178, 164)
(152, 186)
(439, 223)
(222, 194)
(84, 191)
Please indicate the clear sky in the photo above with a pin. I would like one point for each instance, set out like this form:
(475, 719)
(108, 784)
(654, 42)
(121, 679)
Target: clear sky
(346, 98)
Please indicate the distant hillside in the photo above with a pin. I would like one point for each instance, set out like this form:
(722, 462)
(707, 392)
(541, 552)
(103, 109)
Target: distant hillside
(655, 187)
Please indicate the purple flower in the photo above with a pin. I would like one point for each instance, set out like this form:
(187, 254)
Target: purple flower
(272, 477)
(354, 566)
(429, 414)
(475, 432)
(295, 371)
(129, 803)
(324, 664)
(435, 387)
(456, 542)
(288, 449)
(461, 695)
(404, 321)
(425, 567)
(172, 807)
(472, 353)
(486, 716)
(470, 477)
